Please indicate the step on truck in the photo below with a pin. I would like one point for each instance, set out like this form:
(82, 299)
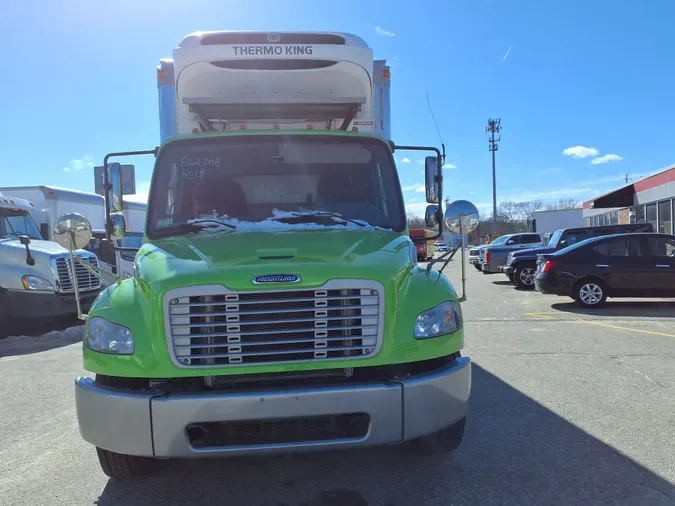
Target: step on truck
(276, 303)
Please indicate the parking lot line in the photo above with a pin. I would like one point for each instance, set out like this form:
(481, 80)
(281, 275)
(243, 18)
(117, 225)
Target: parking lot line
(640, 331)
(543, 316)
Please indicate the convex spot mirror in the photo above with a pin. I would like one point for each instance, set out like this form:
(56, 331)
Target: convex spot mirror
(115, 192)
(72, 231)
(431, 183)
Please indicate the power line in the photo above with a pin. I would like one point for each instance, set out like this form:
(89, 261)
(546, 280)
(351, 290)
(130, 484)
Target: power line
(494, 126)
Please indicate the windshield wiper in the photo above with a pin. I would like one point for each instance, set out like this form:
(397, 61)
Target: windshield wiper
(195, 226)
(300, 217)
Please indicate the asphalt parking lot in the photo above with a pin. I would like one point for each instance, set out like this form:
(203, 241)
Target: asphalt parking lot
(568, 407)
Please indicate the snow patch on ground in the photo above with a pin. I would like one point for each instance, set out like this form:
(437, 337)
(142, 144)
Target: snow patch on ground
(22, 344)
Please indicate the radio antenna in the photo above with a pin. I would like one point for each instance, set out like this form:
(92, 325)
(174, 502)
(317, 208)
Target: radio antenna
(437, 129)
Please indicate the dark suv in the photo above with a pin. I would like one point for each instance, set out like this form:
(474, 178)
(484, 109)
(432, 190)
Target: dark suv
(522, 264)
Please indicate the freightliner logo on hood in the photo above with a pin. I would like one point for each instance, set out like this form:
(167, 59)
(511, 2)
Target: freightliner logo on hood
(276, 278)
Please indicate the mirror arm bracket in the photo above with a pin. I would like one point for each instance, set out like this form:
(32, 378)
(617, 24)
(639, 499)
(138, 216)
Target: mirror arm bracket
(439, 179)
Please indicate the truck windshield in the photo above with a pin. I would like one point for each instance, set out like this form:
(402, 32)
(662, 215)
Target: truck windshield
(332, 180)
(14, 223)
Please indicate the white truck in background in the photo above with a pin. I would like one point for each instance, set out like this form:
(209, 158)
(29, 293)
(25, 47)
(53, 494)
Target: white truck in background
(35, 274)
(50, 202)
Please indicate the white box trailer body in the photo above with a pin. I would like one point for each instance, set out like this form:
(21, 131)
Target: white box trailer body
(52, 202)
(134, 214)
(283, 80)
(547, 222)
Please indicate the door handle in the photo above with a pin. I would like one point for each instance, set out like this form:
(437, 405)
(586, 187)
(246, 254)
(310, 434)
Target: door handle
(602, 265)
(662, 265)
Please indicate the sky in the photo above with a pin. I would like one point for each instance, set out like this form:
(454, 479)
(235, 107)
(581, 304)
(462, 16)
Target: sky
(583, 89)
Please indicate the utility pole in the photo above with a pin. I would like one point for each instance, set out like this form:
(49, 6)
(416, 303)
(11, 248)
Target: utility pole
(627, 178)
(494, 126)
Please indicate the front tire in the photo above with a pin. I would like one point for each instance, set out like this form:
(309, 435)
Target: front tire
(590, 293)
(117, 465)
(523, 276)
(443, 441)
(477, 266)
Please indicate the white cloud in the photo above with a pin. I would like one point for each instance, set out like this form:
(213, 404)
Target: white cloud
(418, 187)
(141, 195)
(421, 162)
(507, 54)
(405, 160)
(449, 166)
(86, 162)
(546, 194)
(580, 152)
(606, 158)
(381, 31)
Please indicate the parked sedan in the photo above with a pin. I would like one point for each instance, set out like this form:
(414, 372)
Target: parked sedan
(621, 265)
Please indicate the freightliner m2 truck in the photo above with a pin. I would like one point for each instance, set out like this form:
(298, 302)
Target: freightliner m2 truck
(276, 303)
(35, 274)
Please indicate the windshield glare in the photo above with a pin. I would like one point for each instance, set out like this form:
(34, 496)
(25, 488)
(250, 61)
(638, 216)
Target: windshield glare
(252, 179)
(555, 238)
(16, 223)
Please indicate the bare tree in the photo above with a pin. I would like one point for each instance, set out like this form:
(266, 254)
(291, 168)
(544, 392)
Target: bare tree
(527, 209)
(568, 203)
(509, 212)
(416, 222)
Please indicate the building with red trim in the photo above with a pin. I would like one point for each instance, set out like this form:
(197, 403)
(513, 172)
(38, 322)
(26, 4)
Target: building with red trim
(649, 200)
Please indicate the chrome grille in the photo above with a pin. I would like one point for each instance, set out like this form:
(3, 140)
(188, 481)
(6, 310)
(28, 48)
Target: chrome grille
(221, 328)
(85, 280)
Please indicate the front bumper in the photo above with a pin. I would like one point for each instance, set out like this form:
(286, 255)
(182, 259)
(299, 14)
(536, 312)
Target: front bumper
(38, 305)
(152, 425)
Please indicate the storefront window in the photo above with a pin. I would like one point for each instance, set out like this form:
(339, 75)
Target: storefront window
(651, 216)
(641, 214)
(665, 218)
(614, 218)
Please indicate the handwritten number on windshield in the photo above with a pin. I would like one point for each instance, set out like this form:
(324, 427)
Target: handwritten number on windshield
(195, 168)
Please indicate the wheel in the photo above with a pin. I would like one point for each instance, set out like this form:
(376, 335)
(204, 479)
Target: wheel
(7, 324)
(477, 266)
(443, 441)
(117, 465)
(590, 293)
(523, 276)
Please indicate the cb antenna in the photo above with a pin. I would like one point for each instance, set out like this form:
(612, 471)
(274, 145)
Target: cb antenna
(437, 130)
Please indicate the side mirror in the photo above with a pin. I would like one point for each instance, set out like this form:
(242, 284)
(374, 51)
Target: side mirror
(431, 173)
(72, 231)
(119, 226)
(510, 242)
(114, 195)
(24, 239)
(432, 216)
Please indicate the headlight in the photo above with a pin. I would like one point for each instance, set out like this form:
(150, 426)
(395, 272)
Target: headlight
(509, 259)
(37, 283)
(107, 337)
(443, 319)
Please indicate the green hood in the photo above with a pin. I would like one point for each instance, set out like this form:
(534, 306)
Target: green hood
(234, 258)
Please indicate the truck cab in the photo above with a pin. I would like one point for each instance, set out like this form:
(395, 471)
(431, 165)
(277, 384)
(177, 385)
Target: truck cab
(35, 275)
(276, 303)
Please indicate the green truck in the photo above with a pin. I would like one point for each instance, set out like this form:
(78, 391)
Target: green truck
(276, 303)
